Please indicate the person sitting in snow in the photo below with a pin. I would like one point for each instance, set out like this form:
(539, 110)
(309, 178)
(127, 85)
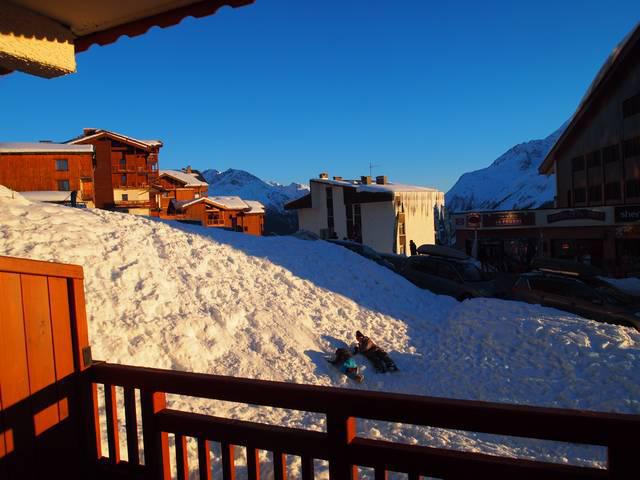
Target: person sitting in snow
(346, 364)
(377, 356)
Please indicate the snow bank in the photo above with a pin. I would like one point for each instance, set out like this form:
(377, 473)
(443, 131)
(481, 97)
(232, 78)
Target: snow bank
(206, 300)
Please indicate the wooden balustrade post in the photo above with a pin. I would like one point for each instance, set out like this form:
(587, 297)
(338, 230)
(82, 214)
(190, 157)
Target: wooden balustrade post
(621, 462)
(253, 463)
(156, 442)
(341, 430)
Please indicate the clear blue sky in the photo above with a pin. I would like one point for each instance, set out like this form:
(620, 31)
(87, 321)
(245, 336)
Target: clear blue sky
(288, 88)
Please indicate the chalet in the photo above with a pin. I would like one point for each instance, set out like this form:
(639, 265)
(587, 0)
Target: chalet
(125, 170)
(226, 212)
(596, 162)
(48, 167)
(382, 215)
(179, 185)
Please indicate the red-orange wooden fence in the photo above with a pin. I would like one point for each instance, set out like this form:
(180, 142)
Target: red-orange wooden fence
(49, 420)
(339, 444)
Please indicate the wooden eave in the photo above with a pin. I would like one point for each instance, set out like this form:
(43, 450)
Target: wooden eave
(120, 138)
(31, 28)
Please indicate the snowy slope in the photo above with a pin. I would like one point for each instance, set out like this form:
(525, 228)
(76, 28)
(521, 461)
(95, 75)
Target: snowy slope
(512, 181)
(209, 300)
(245, 185)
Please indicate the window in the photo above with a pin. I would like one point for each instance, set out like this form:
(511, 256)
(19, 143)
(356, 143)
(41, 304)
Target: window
(631, 106)
(579, 195)
(63, 185)
(595, 193)
(357, 223)
(123, 179)
(330, 220)
(612, 191)
(448, 272)
(125, 197)
(594, 177)
(631, 147)
(577, 164)
(632, 187)
(62, 165)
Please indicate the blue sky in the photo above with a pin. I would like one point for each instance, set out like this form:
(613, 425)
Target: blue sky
(288, 88)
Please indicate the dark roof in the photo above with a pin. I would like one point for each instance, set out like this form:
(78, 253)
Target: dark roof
(302, 202)
(625, 55)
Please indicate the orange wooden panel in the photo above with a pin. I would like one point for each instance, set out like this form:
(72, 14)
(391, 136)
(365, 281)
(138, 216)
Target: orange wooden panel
(14, 372)
(46, 418)
(61, 327)
(37, 267)
(80, 316)
(63, 409)
(37, 323)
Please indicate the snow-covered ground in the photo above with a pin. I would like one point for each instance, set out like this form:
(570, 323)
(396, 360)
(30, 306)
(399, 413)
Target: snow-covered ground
(206, 300)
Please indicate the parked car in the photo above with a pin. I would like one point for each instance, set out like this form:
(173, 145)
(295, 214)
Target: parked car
(587, 296)
(459, 277)
(365, 251)
(396, 260)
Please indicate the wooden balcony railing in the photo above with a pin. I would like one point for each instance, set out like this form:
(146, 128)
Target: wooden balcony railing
(340, 445)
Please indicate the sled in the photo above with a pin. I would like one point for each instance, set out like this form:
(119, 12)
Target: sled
(356, 377)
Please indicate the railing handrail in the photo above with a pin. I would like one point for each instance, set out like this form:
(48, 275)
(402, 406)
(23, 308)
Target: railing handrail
(578, 426)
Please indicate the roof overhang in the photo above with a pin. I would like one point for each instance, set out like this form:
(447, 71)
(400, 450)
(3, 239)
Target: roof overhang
(143, 145)
(41, 37)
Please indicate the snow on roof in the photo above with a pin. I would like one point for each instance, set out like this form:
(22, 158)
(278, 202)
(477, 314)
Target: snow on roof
(189, 179)
(224, 202)
(256, 207)
(47, 196)
(43, 147)
(375, 187)
(230, 203)
(99, 131)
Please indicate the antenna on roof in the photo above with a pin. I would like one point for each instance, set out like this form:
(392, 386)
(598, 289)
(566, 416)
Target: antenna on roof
(371, 167)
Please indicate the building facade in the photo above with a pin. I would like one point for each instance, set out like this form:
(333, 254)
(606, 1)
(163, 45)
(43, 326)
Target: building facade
(382, 215)
(179, 185)
(232, 213)
(48, 167)
(596, 161)
(125, 170)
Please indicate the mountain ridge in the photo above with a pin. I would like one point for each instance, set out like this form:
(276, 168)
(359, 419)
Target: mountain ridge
(510, 182)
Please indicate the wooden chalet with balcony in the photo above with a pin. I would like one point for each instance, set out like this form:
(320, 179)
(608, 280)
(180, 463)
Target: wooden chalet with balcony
(232, 213)
(125, 170)
(180, 185)
(48, 170)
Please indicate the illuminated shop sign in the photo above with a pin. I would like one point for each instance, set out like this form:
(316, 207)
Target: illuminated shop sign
(508, 219)
(627, 214)
(576, 214)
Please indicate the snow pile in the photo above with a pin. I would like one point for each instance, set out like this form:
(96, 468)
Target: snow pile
(249, 187)
(511, 182)
(213, 301)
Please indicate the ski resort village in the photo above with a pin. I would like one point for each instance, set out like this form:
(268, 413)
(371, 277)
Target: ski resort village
(367, 318)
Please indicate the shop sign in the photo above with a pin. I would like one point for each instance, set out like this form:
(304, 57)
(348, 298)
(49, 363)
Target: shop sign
(576, 214)
(509, 219)
(627, 214)
(474, 220)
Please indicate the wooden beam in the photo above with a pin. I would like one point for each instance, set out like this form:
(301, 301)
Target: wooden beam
(35, 44)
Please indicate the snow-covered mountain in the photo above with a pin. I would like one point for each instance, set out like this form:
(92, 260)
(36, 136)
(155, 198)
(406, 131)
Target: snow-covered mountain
(273, 195)
(512, 181)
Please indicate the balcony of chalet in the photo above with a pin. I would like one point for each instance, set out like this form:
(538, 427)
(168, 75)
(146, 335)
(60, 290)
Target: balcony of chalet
(50, 389)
